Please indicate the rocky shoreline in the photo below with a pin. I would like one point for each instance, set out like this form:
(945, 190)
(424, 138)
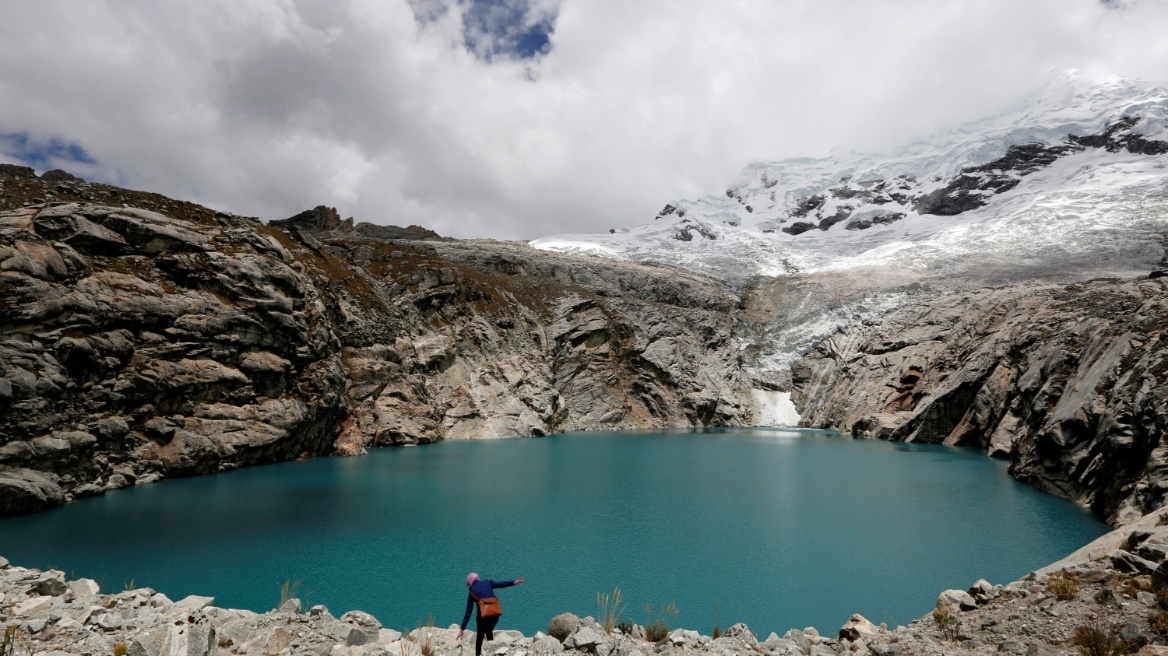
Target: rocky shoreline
(1114, 589)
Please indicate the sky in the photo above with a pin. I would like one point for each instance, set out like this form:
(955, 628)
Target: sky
(515, 119)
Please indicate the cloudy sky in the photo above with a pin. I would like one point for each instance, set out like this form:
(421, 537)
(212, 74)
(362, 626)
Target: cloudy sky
(516, 118)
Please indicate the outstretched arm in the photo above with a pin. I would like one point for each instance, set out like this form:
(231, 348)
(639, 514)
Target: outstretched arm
(506, 584)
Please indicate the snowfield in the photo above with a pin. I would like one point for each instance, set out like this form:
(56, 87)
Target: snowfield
(1072, 185)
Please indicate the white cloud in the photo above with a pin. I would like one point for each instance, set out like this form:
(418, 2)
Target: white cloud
(272, 106)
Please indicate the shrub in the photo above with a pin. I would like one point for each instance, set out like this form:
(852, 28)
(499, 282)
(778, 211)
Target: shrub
(1063, 585)
(120, 649)
(658, 622)
(948, 625)
(610, 609)
(1095, 640)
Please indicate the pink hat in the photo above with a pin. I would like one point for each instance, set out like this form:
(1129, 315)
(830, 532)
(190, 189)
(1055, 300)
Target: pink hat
(471, 578)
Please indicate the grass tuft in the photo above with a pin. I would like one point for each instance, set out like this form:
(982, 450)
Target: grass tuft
(659, 621)
(120, 649)
(288, 590)
(610, 609)
(1063, 585)
(1096, 640)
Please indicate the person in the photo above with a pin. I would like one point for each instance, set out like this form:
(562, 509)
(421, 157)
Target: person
(482, 589)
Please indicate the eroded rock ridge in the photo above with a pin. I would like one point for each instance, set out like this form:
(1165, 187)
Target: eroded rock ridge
(142, 337)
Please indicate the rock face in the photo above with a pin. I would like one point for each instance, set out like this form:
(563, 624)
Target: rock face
(1067, 382)
(143, 338)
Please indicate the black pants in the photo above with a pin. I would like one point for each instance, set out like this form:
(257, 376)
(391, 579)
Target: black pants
(484, 626)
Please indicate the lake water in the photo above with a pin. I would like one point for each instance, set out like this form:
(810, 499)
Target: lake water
(778, 529)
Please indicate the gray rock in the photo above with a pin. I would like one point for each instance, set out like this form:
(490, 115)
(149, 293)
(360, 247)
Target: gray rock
(50, 585)
(25, 490)
(37, 625)
(3, 563)
(584, 639)
(563, 625)
(741, 632)
(291, 606)
(548, 645)
(858, 628)
(365, 622)
(109, 621)
(192, 603)
(147, 644)
(349, 634)
(954, 600)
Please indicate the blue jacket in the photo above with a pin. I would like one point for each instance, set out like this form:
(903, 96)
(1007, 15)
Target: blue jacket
(483, 589)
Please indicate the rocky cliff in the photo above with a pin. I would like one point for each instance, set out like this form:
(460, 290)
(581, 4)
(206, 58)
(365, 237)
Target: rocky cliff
(1065, 381)
(142, 337)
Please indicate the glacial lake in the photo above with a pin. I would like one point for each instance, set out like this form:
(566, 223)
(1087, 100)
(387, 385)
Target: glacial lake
(777, 529)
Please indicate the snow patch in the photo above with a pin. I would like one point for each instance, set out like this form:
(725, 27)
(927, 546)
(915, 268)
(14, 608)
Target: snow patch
(773, 408)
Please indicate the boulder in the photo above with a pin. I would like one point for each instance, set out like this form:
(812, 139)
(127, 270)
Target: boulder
(953, 600)
(365, 622)
(858, 628)
(563, 625)
(584, 639)
(741, 632)
(49, 584)
(544, 645)
(679, 637)
(192, 604)
(25, 490)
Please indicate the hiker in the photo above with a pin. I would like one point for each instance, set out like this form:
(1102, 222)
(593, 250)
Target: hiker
(482, 593)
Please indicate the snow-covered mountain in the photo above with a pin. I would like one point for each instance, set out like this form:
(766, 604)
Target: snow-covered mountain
(1071, 185)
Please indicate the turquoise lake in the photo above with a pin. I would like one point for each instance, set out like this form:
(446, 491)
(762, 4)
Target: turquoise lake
(779, 529)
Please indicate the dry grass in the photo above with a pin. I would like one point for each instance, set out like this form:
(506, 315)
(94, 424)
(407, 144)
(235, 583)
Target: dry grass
(1063, 585)
(1096, 640)
(658, 622)
(609, 609)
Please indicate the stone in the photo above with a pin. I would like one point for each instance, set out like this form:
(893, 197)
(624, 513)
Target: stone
(982, 587)
(1107, 597)
(858, 628)
(290, 606)
(583, 639)
(954, 600)
(344, 632)
(319, 610)
(386, 636)
(192, 603)
(109, 622)
(563, 625)
(37, 625)
(50, 585)
(365, 622)
(25, 490)
(3, 563)
(741, 632)
(683, 637)
(29, 606)
(545, 645)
